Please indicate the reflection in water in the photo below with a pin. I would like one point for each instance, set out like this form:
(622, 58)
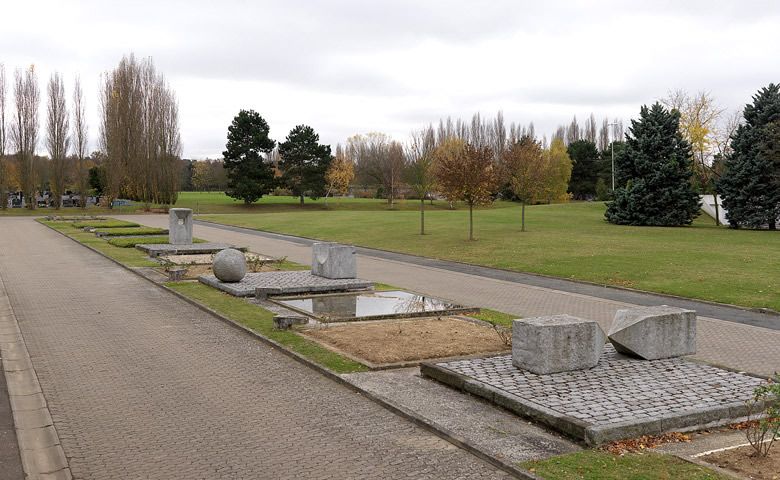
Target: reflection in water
(369, 304)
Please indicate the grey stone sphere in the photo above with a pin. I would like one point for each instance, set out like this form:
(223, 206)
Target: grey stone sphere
(229, 265)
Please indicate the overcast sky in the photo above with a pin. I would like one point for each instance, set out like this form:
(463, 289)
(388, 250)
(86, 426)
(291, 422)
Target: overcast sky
(355, 66)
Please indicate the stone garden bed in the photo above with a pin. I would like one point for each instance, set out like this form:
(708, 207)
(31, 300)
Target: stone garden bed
(393, 343)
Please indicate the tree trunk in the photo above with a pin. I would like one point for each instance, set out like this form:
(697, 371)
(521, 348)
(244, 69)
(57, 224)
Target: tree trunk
(522, 217)
(422, 216)
(301, 199)
(471, 221)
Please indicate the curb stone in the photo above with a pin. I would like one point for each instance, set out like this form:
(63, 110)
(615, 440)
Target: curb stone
(399, 410)
(39, 445)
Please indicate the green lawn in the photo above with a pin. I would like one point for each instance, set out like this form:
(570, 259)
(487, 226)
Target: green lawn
(598, 465)
(562, 240)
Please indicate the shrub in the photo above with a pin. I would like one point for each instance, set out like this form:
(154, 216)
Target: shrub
(763, 430)
(111, 223)
(117, 232)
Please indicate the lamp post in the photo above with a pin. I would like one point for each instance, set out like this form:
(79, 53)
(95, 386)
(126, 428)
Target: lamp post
(612, 144)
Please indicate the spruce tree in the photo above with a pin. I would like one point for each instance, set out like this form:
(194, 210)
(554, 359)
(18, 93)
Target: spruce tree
(653, 173)
(249, 175)
(304, 162)
(750, 185)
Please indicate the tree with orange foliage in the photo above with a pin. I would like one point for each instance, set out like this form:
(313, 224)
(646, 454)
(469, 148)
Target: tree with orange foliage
(465, 173)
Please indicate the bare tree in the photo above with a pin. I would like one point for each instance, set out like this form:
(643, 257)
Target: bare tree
(419, 170)
(3, 141)
(379, 160)
(603, 141)
(80, 146)
(139, 133)
(589, 133)
(24, 129)
(57, 139)
(572, 132)
(523, 165)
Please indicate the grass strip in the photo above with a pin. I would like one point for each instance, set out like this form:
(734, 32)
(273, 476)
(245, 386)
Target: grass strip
(108, 223)
(120, 231)
(600, 465)
(261, 321)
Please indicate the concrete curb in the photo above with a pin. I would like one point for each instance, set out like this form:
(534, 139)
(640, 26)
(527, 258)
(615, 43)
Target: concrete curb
(399, 410)
(39, 445)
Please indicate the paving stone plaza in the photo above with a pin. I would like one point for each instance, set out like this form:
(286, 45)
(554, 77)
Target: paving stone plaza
(620, 397)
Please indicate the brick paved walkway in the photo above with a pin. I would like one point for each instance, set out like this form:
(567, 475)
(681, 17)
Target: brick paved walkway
(744, 347)
(143, 385)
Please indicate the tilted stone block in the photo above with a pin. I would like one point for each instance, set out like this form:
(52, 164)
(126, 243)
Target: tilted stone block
(180, 226)
(557, 343)
(332, 260)
(654, 332)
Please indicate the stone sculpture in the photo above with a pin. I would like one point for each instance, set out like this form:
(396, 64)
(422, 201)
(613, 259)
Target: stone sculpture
(180, 226)
(654, 332)
(557, 343)
(229, 265)
(332, 260)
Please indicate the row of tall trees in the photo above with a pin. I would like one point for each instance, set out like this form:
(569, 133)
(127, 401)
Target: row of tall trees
(139, 133)
(139, 136)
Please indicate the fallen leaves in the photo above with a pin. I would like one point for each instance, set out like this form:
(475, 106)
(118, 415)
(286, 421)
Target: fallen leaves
(644, 442)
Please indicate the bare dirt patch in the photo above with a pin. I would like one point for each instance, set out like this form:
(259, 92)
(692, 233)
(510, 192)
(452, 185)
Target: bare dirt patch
(742, 461)
(394, 341)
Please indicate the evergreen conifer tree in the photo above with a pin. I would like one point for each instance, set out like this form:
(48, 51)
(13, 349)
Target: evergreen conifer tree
(653, 173)
(750, 185)
(249, 175)
(585, 169)
(304, 162)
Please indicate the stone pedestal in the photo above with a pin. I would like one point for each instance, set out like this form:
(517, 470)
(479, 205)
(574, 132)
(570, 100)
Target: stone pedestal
(557, 343)
(180, 226)
(332, 260)
(654, 332)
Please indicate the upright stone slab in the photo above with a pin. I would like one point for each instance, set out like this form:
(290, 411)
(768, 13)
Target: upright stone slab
(180, 226)
(332, 260)
(654, 332)
(557, 343)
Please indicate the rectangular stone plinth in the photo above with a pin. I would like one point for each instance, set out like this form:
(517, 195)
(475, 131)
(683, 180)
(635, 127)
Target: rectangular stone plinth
(621, 397)
(332, 260)
(264, 284)
(180, 226)
(556, 343)
(654, 332)
(157, 249)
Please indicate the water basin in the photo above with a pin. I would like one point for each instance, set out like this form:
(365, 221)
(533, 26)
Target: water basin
(371, 306)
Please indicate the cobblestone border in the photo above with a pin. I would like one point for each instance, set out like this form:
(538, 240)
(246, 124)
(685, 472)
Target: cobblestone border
(592, 434)
(39, 444)
(428, 425)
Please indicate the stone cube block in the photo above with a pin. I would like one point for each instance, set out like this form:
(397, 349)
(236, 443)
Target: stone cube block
(180, 226)
(557, 343)
(654, 332)
(332, 260)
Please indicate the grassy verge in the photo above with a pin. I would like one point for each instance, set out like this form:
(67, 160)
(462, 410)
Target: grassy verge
(598, 465)
(110, 223)
(261, 321)
(495, 317)
(127, 256)
(118, 232)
